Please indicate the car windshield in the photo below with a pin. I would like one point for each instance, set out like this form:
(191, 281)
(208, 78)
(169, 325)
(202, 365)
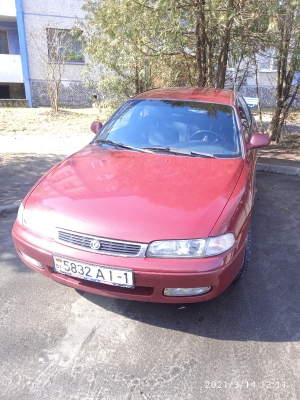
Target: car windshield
(183, 127)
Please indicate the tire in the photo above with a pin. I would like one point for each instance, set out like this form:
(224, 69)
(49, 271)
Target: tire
(242, 272)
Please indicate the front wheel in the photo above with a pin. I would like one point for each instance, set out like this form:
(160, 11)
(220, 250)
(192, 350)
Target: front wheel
(242, 272)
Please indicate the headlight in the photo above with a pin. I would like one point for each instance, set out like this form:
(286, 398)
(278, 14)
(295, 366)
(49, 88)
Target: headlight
(219, 244)
(37, 221)
(176, 248)
(195, 248)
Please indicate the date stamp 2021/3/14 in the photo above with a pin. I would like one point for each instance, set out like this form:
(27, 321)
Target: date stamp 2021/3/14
(245, 384)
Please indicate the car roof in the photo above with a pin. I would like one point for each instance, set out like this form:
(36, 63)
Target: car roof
(219, 96)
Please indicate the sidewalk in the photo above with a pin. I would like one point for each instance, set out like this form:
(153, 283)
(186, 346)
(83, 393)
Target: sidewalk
(279, 169)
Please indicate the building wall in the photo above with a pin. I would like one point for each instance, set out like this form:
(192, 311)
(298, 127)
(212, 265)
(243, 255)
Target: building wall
(70, 93)
(267, 87)
(38, 17)
(36, 38)
(265, 78)
(267, 94)
(69, 8)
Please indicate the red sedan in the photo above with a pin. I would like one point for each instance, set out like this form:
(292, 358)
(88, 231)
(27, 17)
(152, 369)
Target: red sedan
(157, 207)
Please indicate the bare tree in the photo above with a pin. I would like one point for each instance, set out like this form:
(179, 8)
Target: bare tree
(287, 48)
(53, 53)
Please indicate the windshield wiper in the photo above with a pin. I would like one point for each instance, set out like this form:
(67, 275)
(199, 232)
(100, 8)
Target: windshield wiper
(172, 150)
(175, 150)
(119, 145)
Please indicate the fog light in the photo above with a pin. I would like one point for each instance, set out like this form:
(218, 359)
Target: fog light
(31, 260)
(186, 291)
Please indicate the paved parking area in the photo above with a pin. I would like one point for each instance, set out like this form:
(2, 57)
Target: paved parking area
(19, 172)
(60, 344)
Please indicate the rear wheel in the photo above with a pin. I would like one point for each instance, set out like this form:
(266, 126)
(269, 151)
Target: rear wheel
(242, 272)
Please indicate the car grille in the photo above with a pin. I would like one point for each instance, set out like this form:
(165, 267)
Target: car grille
(107, 246)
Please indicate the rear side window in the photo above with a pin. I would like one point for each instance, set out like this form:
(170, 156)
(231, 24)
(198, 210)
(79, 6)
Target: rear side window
(245, 117)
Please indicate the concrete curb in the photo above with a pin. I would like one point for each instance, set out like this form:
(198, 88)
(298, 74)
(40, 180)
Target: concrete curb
(9, 208)
(278, 169)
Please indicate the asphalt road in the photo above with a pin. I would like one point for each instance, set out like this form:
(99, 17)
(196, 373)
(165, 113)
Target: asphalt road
(59, 344)
(19, 172)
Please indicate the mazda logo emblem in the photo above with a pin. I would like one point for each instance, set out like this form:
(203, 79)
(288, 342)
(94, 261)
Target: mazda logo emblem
(95, 244)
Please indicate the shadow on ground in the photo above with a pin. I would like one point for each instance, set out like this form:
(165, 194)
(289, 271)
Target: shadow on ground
(18, 173)
(286, 152)
(8, 253)
(262, 307)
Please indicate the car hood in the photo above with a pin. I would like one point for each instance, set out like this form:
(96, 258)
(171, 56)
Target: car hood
(136, 196)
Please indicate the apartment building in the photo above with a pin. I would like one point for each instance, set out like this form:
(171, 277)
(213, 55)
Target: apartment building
(26, 29)
(11, 74)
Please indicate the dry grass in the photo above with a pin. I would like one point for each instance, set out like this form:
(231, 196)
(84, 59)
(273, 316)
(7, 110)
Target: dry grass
(287, 151)
(38, 130)
(30, 120)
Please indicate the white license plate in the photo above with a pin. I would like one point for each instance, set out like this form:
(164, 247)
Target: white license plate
(94, 272)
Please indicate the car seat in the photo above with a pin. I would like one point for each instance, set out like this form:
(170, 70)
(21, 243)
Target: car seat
(162, 135)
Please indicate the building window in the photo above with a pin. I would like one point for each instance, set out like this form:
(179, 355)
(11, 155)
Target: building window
(268, 61)
(230, 63)
(4, 49)
(62, 46)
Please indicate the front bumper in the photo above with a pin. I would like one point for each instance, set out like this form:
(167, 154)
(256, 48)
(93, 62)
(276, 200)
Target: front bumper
(151, 275)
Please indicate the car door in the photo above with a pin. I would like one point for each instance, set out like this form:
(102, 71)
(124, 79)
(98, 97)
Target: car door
(249, 128)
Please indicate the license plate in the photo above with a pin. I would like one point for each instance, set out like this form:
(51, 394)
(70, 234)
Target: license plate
(94, 272)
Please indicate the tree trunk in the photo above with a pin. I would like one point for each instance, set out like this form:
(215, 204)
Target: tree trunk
(200, 33)
(257, 95)
(210, 69)
(137, 81)
(222, 62)
(56, 96)
(274, 127)
(224, 50)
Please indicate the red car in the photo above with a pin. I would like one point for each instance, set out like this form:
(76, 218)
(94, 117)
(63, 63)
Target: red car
(157, 207)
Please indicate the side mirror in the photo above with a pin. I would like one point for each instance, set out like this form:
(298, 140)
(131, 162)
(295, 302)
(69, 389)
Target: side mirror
(258, 140)
(96, 126)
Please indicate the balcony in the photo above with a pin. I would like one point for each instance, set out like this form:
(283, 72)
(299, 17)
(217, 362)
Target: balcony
(11, 68)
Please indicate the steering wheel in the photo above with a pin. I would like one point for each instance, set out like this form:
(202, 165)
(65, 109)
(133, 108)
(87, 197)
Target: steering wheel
(204, 134)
